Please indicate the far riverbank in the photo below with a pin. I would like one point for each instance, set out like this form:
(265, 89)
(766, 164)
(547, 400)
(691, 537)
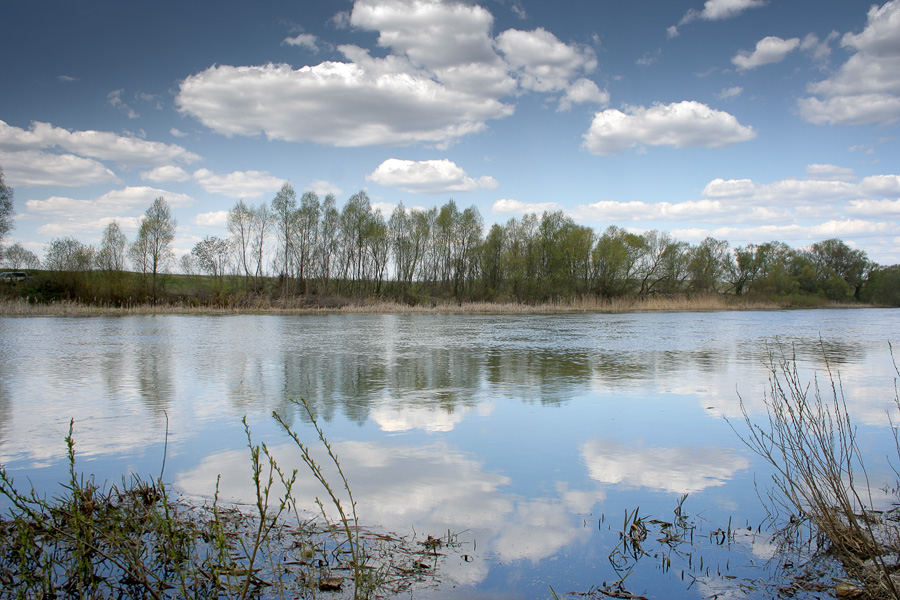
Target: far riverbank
(330, 305)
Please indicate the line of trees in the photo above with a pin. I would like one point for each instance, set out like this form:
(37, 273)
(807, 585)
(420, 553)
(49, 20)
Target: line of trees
(309, 247)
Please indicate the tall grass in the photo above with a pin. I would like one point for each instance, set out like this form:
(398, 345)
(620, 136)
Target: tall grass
(820, 479)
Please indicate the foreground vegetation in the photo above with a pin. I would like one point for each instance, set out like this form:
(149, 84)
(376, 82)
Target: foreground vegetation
(821, 495)
(139, 540)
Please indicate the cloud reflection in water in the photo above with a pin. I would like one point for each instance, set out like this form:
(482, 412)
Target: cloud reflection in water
(681, 469)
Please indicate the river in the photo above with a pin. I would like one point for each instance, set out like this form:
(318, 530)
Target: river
(528, 436)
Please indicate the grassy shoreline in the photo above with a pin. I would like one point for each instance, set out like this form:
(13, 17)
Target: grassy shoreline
(709, 303)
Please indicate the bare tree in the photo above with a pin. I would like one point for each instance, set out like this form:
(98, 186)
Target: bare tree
(186, 264)
(18, 257)
(67, 254)
(240, 226)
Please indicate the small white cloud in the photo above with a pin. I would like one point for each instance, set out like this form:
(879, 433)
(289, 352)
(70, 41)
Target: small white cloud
(680, 125)
(217, 218)
(165, 173)
(771, 49)
(114, 99)
(819, 50)
(385, 208)
(583, 91)
(303, 40)
(67, 78)
(427, 177)
(715, 10)
(605, 210)
(829, 172)
(729, 93)
(323, 188)
(174, 132)
(238, 184)
(515, 207)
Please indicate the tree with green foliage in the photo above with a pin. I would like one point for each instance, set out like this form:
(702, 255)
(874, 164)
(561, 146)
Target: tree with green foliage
(354, 229)
(212, 255)
(6, 210)
(327, 242)
(882, 286)
(151, 251)
(521, 261)
(467, 240)
(378, 247)
(706, 265)
(834, 256)
(742, 268)
(492, 249)
(284, 215)
(307, 236)
(656, 264)
(111, 255)
(615, 262)
(240, 228)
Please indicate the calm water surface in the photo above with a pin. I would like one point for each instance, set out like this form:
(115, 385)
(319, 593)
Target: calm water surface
(530, 435)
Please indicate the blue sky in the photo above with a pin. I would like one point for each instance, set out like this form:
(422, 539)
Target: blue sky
(746, 120)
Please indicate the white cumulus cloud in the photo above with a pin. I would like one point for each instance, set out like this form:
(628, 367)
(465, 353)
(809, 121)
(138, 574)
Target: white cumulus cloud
(583, 91)
(218, 218)
(542, 61)
(716, 10)
(866, 89)
(771, 49)
(427, 176)
(367, 102)
(89, 215)
(508, 206)
(101, 145)
(238, 184)
(443, 77)
(680, 125)
(165, 173)
(682, 470)
(32, 168)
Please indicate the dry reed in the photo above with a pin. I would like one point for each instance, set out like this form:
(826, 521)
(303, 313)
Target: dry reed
(302, 305)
